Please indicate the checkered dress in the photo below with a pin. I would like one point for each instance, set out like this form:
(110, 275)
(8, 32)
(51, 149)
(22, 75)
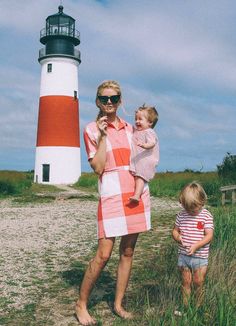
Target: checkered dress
(116, 215)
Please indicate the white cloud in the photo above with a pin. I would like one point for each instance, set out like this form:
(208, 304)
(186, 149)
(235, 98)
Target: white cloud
(177, 55)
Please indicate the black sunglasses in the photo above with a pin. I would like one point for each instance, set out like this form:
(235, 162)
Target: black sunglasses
(104, 99)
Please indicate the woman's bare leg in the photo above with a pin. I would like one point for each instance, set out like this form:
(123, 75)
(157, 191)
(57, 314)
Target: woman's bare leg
(139, 185)
(199, 276)
(91, 275)
(127, 246)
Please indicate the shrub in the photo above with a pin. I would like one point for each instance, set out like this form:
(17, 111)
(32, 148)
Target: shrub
(6, 188)
(227, 169)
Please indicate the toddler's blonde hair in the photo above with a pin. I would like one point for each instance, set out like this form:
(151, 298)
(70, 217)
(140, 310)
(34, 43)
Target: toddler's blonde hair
(152, 114)
(192, 196)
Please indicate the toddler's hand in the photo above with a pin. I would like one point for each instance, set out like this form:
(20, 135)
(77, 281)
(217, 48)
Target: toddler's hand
(191, 250)
(181, 241)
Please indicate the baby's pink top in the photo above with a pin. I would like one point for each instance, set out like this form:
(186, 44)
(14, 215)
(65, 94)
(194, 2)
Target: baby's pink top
(144, 161)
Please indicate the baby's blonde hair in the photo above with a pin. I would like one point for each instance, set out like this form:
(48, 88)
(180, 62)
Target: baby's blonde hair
(106, 84)
(152, 114)
(192, 196)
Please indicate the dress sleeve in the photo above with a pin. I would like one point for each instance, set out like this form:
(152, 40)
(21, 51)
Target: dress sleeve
(90, 141)
(150, 137)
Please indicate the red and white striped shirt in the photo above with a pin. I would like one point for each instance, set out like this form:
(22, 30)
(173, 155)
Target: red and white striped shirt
(192, 229)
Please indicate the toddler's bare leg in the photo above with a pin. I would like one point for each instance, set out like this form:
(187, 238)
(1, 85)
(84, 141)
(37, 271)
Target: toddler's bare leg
(139, 185)
(199, 276)
(186, 284)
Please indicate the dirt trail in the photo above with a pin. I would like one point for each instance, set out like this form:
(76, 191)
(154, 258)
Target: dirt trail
(38, 243)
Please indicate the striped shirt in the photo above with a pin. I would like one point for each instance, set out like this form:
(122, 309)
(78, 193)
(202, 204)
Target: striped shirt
(192, 229)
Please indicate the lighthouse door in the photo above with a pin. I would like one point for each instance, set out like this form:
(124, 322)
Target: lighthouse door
(46, 172)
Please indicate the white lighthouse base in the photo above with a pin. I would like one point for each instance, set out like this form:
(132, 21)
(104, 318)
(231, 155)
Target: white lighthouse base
(57, 165)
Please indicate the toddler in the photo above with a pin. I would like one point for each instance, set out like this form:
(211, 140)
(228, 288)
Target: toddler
(144, 149)
(193, 231)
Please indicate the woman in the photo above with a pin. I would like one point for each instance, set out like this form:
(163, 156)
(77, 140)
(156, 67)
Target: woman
(108, 143)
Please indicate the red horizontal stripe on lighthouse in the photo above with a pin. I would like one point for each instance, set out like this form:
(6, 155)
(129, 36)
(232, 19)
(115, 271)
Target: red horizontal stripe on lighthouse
(58, 122)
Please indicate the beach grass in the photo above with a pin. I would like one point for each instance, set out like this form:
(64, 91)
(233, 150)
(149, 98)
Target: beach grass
(154, 289)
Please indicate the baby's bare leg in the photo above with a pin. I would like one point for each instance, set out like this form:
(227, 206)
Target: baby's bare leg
(139, 185)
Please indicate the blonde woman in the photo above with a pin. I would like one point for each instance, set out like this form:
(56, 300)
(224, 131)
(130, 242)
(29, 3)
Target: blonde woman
(108, 146)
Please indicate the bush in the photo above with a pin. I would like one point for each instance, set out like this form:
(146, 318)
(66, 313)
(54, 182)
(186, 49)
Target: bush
(227, 170)
(6, 188)
(14, 182)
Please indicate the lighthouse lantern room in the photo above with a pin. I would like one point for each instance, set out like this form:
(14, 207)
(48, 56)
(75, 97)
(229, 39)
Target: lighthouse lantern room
(57, 159)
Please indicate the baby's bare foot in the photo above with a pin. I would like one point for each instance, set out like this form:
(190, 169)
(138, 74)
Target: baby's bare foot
(83, 316)
(134, 199)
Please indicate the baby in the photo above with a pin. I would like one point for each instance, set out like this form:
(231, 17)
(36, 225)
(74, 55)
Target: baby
(144, 149)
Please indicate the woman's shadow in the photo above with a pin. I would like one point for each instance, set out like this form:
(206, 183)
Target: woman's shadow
(103, 290)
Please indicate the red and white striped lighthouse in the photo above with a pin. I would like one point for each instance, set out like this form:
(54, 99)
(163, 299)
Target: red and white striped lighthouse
(58, 140)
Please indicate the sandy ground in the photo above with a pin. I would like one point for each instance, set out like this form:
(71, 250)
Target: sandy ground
(37, 240)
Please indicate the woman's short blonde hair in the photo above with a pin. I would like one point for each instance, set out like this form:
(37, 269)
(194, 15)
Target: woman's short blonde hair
(108, 84)
(152, 114)
(192, 196)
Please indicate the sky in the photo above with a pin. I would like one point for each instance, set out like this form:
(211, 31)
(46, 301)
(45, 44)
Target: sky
(176, 55)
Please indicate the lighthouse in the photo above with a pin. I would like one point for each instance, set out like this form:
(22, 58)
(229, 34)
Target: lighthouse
(57, 159)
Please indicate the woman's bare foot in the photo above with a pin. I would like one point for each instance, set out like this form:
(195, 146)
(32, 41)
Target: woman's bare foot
(122, 313)
(83, 316)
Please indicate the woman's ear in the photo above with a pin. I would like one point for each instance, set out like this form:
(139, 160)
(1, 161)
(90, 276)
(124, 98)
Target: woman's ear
(97, 103)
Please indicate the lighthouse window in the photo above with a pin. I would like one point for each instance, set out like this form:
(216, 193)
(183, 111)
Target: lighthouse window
(49, 67)
(75, 95)
(46, 172)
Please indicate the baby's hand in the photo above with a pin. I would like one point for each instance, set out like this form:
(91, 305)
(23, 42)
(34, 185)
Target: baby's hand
(141, 144)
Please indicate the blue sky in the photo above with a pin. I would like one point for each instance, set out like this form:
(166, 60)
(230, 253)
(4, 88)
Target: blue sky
(175, 54)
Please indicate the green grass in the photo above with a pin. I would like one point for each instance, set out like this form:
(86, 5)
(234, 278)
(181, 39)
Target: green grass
(156, 282)
(20, 186)
(14, 182)
(166, 184)
(88, 181)
(169, 184)
(154, 290)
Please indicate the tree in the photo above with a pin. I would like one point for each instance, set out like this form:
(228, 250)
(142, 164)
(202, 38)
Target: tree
(227, 169)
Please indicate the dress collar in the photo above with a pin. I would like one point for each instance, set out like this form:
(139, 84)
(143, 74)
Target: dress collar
(122, 124)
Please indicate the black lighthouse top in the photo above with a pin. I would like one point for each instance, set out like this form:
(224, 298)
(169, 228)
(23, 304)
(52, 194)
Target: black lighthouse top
(59, 37)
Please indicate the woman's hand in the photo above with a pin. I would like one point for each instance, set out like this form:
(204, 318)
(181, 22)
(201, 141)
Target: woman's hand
(99, 160)
(102, 125)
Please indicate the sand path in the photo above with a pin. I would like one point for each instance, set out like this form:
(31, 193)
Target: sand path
(38, 241)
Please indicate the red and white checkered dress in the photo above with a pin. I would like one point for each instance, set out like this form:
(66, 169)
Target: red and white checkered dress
(116, 215)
